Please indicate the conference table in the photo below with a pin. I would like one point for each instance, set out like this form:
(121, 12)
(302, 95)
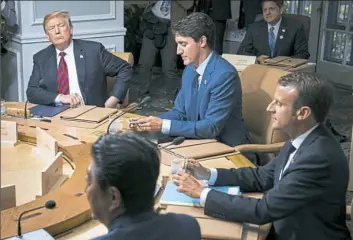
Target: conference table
(71, 218)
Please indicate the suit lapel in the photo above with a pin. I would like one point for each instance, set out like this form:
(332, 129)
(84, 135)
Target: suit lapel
(266, 45)
(206, 77)
(305, 145)
(80, 61)
(52, 67)
(280, 36)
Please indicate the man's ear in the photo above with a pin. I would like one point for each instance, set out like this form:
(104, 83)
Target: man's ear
(116, 200)
(303, 113)
(203, 41)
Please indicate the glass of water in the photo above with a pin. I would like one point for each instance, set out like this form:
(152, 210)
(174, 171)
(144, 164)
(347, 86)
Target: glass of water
(177, 165)
(116, 126)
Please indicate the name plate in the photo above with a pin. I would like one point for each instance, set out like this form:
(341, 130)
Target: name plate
(46, 144)
(9, 135)
(240, 62)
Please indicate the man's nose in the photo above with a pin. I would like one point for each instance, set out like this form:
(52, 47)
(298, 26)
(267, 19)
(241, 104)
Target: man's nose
(57, 29)
(179, 51)
(270, 107)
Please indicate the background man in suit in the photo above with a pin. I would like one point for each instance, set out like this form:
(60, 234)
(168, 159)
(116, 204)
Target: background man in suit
(158, 38)
(305, 185)
(209, 104)
(285, 37)
(74, 71)
(121, 184)
(219, 11)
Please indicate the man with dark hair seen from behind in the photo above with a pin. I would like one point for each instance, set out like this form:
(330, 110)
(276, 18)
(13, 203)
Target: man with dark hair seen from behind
(305, 186)
(209, 104)
(120, 188)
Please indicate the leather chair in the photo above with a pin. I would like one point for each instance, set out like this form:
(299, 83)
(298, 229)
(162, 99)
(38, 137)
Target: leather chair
(305, 20)
(128, 57)
(259, 83)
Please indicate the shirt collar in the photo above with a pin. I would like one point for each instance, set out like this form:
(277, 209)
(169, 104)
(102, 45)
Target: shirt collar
(69, 50)
(202, 67)
(300, 139)
(276, 26)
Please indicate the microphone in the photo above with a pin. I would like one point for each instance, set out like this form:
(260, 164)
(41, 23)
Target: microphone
(176, 141)
(50, 204)
(134, 107)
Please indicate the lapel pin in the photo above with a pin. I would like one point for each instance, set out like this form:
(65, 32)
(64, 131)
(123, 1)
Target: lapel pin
(280, 37)
(283, 30)
(81, 56)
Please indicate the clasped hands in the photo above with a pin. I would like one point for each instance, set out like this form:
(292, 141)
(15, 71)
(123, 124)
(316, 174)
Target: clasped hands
(189, 182)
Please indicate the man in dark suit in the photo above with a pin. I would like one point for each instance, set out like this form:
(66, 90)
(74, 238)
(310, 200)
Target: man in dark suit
(121, 183)
(285, 37)
(304, 187)
(209, 104)
(219, 11)
(74, 71)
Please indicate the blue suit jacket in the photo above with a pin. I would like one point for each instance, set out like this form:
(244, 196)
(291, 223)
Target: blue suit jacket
(213, 111)
(153, 226)
(93, 64)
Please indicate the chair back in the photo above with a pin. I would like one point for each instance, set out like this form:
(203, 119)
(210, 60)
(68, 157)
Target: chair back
(305, 20)
(259, 83)
(128, 57)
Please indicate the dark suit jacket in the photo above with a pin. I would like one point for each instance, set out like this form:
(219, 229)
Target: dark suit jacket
(221, 10)
(213, 111)
(153, 226)
(293, 44)
(307, 203)
(93, 64)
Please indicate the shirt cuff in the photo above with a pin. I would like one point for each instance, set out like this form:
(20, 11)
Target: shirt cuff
(203, 196)
(166, 123)
(57, 100)
(213, 176)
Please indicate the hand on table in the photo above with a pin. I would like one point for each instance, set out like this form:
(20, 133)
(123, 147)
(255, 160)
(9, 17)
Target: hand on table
(261, 59)
(73, 99)
(111, 102)
(147, 124)
(187, 184)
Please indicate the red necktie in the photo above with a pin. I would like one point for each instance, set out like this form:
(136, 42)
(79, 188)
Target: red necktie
(63, 75)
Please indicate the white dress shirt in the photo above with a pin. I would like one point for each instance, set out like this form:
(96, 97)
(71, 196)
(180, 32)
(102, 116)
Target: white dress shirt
(71, 67)
(276, 27)
(166, 123)
(296, 143)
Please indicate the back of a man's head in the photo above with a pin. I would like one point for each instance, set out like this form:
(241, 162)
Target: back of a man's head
(195, 26)
(130, 164)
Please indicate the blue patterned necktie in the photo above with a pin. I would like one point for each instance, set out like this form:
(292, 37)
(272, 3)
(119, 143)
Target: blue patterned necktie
(272, 40)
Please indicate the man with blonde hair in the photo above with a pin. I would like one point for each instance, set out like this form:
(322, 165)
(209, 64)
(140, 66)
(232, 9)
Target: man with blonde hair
(72, 71)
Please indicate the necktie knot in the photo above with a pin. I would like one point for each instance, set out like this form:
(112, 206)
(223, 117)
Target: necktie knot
(272, 29)
(62, 54)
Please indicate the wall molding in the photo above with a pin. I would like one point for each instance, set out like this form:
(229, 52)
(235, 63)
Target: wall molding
(19, 80)
(110, 47)
(101, 33)
(83, 18)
